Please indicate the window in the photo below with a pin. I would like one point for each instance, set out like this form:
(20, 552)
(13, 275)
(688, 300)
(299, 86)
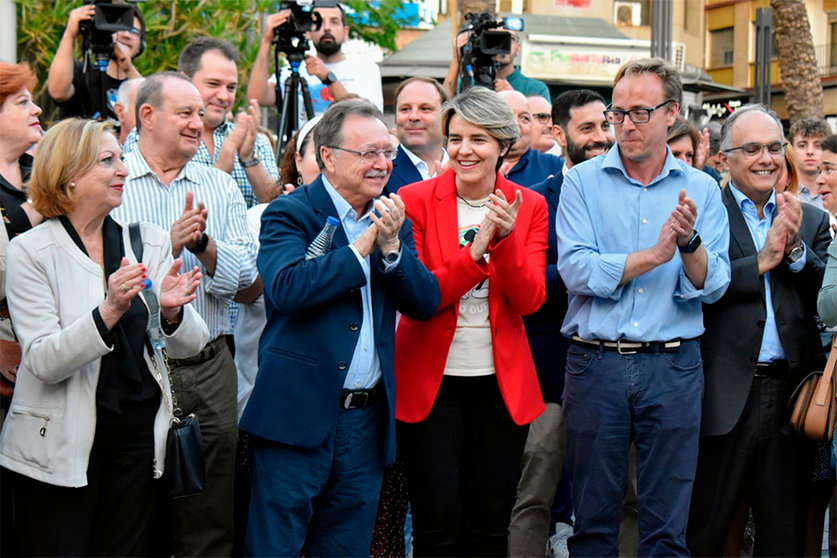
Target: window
(721, 50)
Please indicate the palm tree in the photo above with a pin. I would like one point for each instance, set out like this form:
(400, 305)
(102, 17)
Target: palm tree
(797, 61)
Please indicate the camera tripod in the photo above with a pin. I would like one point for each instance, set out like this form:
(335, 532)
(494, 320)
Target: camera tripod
(294, 85)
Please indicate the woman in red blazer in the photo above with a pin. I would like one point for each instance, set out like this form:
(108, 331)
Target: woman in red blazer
(466, 386)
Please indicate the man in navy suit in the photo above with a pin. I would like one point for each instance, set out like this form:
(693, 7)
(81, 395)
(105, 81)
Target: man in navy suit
(321, 413)
(524, 165)
(582, 131)
(418, 127)
(761, 339)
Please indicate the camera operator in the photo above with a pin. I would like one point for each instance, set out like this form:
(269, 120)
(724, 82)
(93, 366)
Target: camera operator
(508, 76)
(68, 85)
(330, 75)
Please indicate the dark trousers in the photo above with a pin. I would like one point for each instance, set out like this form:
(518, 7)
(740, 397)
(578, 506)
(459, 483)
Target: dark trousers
(656, 398)
(203, 525)
(322, 498)
(463, 465)
(755, 461)
(118, 513)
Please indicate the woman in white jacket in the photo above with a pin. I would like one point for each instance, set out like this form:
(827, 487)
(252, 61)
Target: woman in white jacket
(87, 426)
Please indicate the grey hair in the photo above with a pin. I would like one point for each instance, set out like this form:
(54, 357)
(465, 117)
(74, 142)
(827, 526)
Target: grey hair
(486, 109)
(726, 129)
(330, 129)
(672, 86)
(150, 91)
(124, 91)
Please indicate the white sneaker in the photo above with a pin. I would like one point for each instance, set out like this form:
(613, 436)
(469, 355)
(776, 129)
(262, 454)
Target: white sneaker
(556, 545)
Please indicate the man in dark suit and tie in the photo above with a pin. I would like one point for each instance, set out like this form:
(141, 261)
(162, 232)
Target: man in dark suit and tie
(418, 127)
(321, 413)
(761, 339)
(580, 128)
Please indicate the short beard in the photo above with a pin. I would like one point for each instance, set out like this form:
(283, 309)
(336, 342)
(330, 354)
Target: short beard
(328, 47)
(577, 153)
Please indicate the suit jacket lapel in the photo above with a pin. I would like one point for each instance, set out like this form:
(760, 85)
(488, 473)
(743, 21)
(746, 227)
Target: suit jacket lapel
(404, 168)
(444, 210)
(738, 229)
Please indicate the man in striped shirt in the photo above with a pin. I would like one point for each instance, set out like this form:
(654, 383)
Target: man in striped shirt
(206, 214)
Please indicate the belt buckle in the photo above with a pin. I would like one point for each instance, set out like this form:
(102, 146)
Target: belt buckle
(624, 351)
(352, 395)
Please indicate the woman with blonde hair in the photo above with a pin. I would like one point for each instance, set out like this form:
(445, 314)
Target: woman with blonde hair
(86, 431)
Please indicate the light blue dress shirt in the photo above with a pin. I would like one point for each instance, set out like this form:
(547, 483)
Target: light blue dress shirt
(365, 370)
(604, 216)
(771, 345)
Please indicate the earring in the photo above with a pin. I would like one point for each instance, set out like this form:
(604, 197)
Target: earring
(299, 180)
(72, 184)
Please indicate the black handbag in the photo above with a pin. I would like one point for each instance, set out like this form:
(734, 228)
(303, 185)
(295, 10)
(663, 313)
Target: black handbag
(185, 466)
(184, 457)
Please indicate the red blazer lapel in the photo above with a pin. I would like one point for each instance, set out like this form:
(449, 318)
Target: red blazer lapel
(444, 209)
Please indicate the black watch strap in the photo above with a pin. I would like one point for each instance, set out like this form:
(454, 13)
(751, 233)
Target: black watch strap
(199, 245)
(692, 246)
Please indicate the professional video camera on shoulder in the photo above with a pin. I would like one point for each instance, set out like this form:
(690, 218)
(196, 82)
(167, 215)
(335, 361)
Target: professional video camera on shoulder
(98, 32)
(477, 66)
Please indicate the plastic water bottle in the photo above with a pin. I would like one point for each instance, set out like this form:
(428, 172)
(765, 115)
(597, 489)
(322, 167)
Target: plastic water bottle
(155, 332)
(322, 242)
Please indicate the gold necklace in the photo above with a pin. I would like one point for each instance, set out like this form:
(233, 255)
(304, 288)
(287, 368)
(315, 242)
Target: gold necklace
(469, 204)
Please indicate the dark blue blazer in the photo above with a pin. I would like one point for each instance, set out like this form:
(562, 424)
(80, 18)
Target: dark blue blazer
(535, 167)
(549, 347)
(314, 312)
(403, 172)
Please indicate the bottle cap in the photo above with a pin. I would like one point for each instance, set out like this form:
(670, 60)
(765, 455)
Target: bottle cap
(146, 284)
(332, 220)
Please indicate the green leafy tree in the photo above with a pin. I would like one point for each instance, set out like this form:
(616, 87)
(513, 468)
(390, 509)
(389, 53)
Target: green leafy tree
(171, 24)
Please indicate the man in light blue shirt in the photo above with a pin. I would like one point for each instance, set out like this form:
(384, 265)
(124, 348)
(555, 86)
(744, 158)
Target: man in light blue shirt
(322, 410)
(637, 273)
(761, 339)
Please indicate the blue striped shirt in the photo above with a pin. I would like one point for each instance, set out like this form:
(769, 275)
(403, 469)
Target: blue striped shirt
(147, 198)
(262, 150)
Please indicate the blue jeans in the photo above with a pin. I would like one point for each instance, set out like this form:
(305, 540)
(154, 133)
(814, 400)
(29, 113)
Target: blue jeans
(656, 400)
(323, 498)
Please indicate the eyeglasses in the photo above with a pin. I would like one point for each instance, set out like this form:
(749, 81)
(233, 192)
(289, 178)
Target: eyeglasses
(132, 30)
(637, 115)
(542, 117)
(371, 155)
(754, 149)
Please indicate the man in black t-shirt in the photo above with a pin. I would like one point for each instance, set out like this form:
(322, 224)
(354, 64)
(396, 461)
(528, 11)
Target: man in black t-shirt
(77, 90)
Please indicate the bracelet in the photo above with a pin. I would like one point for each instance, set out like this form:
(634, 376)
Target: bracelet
(199, 245)
(251, 163)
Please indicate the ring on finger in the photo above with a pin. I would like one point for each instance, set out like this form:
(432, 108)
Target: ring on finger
(124, 288)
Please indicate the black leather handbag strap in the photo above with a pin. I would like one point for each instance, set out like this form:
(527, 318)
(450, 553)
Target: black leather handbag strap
(136, 240)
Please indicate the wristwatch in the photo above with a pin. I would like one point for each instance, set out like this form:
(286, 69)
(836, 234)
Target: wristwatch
(251, 163)
(199, 245)
(692, 246)
(329, 79)
(796, 253)
(391, 257)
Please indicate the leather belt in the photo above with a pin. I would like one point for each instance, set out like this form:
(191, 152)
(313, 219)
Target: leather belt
(625, 347)
(207, 353)
(772, 369)
(4, 309)
(360, 398)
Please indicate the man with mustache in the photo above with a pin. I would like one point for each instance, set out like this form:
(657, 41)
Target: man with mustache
(583, 132)
(418, 127)
(322, 411)
(330, 75)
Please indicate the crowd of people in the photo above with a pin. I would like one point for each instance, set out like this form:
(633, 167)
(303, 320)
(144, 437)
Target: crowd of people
(496, 350)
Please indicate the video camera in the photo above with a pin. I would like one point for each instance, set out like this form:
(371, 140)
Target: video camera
(98, 32)
(477, 66)
(290, 36)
